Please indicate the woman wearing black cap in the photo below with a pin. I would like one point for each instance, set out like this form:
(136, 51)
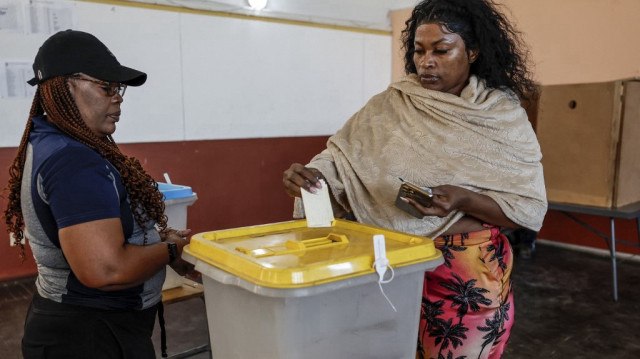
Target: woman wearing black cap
(88, 211)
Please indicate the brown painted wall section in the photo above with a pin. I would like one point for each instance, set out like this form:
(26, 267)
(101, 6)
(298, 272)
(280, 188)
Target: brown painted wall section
(238, 183)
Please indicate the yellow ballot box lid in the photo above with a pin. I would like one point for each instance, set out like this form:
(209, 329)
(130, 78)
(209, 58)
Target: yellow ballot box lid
(292, 255)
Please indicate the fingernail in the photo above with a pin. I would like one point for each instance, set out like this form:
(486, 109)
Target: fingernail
(404, 199)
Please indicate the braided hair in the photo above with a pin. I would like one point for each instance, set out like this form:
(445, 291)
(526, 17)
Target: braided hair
(54, 98)
(502, 60)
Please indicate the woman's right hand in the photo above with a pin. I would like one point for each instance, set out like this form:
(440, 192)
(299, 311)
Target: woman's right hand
(299, 176)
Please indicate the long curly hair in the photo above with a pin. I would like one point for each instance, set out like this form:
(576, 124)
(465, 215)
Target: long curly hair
(54, 98)
(503, 57)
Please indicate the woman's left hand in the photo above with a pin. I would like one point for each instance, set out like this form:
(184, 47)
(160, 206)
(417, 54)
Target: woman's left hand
(173, 235)
(446, 198)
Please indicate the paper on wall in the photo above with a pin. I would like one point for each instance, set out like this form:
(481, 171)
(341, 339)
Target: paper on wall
(13, 79)
(317, 207)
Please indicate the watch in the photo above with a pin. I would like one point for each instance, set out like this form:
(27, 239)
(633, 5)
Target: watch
(173, 251)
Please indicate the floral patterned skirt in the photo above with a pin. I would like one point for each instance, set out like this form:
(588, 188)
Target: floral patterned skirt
(467, 303)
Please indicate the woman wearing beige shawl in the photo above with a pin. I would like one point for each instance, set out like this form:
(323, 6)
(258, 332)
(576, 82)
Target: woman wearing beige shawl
(454, 124)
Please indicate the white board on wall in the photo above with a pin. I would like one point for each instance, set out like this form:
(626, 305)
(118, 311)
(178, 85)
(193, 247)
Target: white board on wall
(265, 79)
(213, 77)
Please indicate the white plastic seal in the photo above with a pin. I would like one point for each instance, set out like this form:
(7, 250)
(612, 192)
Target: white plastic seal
(381, 263)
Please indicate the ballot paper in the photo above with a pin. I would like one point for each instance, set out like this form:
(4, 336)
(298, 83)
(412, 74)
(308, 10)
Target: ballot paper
(317, 207)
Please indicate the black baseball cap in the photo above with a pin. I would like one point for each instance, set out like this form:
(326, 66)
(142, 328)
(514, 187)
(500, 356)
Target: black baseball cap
(70, 51)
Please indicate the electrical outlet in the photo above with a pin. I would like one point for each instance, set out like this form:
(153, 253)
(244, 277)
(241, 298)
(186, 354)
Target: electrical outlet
(12, 240)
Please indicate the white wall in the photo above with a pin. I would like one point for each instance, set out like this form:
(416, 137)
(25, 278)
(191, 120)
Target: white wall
(213, 77)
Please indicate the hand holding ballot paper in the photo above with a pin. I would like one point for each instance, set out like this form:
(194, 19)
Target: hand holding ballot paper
(317, 207)
(312, 194)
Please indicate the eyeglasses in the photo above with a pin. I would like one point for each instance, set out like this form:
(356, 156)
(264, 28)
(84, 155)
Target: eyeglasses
(111, 88)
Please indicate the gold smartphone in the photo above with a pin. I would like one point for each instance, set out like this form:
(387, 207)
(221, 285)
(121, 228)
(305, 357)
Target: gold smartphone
(422, 195)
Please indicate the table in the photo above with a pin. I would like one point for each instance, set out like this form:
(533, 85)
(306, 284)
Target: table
(630, 211)
(189, 289)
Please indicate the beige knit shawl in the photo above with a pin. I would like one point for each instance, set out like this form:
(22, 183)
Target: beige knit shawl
(480, 140)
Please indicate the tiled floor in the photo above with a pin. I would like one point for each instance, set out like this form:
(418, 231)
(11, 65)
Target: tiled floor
(564, 309)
